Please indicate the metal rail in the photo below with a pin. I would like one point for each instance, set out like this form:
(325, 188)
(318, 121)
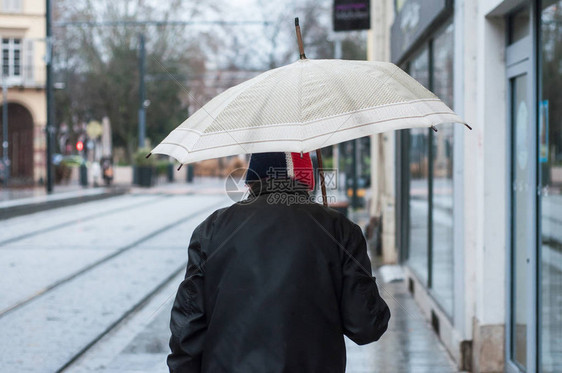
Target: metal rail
(126, 314)
(103, 260)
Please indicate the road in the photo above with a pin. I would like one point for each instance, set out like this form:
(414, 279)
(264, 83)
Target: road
(90, 287)
(73, 274)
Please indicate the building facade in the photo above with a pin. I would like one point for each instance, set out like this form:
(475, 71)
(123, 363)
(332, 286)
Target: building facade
(22, 34)
(475, 217)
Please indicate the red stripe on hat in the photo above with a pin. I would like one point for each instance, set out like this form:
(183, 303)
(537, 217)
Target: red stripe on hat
(304, 172)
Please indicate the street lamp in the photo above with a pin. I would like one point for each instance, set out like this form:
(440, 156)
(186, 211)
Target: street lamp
(5, 143)
(142, 93)
(49, 94)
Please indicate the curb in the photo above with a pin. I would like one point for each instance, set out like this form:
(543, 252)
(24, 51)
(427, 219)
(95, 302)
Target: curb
(32, 207)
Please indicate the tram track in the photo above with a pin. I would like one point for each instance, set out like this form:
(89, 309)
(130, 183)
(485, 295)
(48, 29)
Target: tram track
(104, 260)
(122, 318)
(71, 222)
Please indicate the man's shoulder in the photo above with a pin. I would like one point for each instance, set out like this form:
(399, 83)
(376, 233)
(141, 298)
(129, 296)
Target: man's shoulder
(212, 217)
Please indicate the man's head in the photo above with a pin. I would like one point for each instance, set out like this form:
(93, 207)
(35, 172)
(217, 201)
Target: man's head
(281, 169)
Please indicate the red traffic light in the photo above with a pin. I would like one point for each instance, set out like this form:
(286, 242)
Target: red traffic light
(80, 146)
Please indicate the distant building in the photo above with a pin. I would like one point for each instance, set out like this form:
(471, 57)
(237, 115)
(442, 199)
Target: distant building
(22, 37)
(475, 217)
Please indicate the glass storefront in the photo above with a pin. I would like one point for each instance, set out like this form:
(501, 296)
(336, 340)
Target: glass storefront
(550, 171)
(419, 185)
(430, 175)
(533, 62)
(521, 211)
(522, 214)
(442, 189)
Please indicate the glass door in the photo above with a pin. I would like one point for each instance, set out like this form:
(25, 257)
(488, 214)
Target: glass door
(522, 269)
(550, 168)
(522, 217)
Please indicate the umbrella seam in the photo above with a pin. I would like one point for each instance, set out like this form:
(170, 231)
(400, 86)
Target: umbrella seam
(267, 100)
(227, 105)
(268, 76)
(345, 94)
(396, 69)
(355, 111)
(315, 120)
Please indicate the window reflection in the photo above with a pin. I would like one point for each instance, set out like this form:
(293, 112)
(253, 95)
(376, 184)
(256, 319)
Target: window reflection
(442, 202)
(521, 213)
(419, 187)
(440, 280)
(550, 168)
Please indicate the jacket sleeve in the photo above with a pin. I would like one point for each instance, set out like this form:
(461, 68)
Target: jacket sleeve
(365, 314)
(188, 321)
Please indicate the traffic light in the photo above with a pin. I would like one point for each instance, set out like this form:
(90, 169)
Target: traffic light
(80, 146)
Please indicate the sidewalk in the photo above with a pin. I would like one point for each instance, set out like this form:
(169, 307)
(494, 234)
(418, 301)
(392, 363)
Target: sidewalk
(17, 202)
(10, 194)
(22, 201)
(199, 185)
(140, 343)
(409, 344)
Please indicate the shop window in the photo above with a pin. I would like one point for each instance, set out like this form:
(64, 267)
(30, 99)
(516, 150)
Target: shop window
(419, 181)
(428, 160)
(550, 186)
(442, 258)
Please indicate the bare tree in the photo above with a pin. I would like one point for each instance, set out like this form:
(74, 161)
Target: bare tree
(99, 65)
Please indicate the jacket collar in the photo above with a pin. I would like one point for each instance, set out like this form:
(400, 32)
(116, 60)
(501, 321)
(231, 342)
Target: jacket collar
(265, 186)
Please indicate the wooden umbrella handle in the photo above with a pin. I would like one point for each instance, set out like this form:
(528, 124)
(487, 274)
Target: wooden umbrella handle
(321, 173)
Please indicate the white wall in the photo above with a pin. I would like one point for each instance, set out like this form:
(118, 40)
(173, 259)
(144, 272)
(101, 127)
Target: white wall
(382, 145)
(481, 100)
(493, 107)
(480, 160)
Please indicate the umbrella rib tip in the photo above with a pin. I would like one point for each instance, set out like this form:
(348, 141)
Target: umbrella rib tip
(148, 155)
(470, 128)
(434, 128)
(181, 165)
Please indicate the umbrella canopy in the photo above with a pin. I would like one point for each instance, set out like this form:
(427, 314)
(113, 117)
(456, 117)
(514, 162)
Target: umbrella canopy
(303, 106)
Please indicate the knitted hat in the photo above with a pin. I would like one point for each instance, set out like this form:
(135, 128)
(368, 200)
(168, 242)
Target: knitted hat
(282, 166)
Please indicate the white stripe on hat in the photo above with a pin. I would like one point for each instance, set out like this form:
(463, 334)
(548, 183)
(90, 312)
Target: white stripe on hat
(290, 165)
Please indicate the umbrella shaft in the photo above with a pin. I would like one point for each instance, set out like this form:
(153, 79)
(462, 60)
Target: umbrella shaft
(321, 173)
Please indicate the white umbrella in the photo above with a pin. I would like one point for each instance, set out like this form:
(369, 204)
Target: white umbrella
(304, 106)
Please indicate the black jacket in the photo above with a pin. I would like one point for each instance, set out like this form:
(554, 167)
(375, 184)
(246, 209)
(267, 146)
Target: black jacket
(272, 285)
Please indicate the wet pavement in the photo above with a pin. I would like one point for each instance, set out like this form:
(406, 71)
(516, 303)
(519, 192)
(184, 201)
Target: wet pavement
(140, 344)
(90, 287)
(70, 275)
(409, 344)
(38, 192)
